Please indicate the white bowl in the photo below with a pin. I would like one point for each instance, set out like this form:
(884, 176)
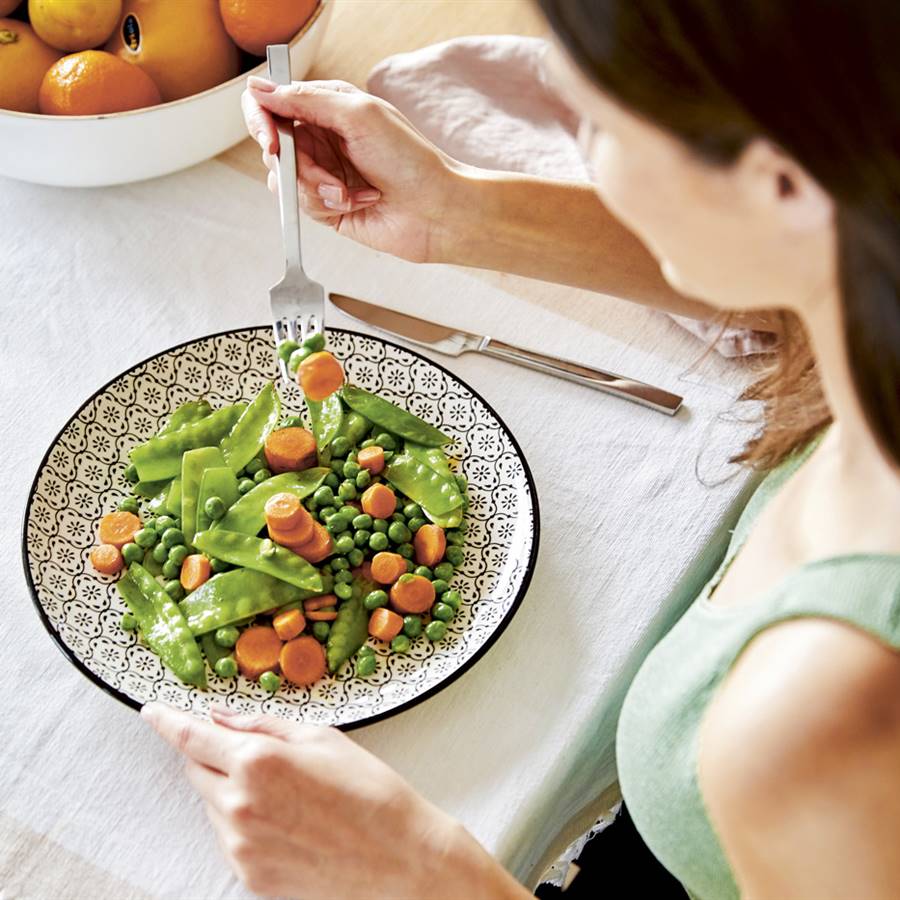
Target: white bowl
(90, 151)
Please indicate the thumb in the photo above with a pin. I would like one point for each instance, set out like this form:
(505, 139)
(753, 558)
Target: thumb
(260, 723)
(313, 103)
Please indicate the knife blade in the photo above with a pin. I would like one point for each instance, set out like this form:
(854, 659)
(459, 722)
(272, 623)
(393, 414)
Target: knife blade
(454, 342)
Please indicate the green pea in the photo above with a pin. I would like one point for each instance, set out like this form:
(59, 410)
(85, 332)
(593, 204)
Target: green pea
(178, 554)
(337, 524)
(164, 522)
(324, 496)
(374, 599)
(412, 626)
(435, 630)
(388, 455)
(340, 446)
(160, 553)
(379, 541)
(451, 599)
(461, 482)
(415, 523)
(425, 572)
(401, 644)
(365, 650)
(380, 525)
(345, 576)
(366, 666)
(291, 422)
(455, 555)
(344, 544)
(296, 358)
(406, 550)
(326, 512)
(219, 565)
(315, 342)
(173, 588)
(214, 508)
(399, 533)
(337, 467)
(321, 631)
(339, 564)
(227, 636)
(226, 667)
(131, 474)
(442, 611)
(362, 521)
(332, 481)
(355, 557)
(151, 523)
(440, 586)
(343, 591)
(444, 571)
(363, 479)
(131, 553)
(146, 538)
(410, 566)
(177, 522)
(172, 537)
(398, 517)
(351, 469)
(253, 466)
(385, 441)
(171, 569)
(128, 622)
(129, 504)
(361, 538)
(368, 442)
(406, 578)
(245, 484)
(347, 491)
(463, 527)
(270, 682)
(455, 537)
(261, 475)
(286, 348)
(412, 511)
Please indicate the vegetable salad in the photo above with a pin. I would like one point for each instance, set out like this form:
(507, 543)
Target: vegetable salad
(256, 546)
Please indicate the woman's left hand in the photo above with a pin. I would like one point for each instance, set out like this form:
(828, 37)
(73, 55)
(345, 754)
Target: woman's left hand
(301, 810)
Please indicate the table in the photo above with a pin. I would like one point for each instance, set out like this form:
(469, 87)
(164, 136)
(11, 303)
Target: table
(635, 506)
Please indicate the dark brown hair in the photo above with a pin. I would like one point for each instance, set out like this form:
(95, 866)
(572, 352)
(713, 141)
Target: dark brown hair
(818, 78)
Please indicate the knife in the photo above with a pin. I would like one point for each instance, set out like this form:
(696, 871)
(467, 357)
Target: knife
(450, 341)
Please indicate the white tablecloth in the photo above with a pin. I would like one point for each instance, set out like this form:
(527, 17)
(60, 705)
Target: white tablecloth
(93, 805)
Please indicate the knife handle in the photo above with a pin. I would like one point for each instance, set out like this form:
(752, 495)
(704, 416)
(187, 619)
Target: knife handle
(637, 391)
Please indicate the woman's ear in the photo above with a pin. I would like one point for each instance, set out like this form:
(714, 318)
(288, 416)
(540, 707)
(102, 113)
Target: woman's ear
(775, 184)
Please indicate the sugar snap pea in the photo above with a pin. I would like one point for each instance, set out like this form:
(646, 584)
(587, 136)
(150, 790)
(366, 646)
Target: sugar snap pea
(219, 482)
(193, 465)
(350, 629)
(233, 596)
(191, 411)
(433, 457)
(248, 516)
(327, 417)
(422, 484)
(262, 555)
(452, 519)
(163, 625)
(160, 457)
(392, 418)
(248, 434)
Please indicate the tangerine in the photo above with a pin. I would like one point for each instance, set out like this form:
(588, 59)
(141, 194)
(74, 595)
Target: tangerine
(24, 59)
(254, 23)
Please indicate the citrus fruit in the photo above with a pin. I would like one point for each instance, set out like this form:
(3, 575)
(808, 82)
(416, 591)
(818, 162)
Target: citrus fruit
(94, 82)
(181, 44)
(254, 23)
(7, 6)
(74, 24)
(24, 58)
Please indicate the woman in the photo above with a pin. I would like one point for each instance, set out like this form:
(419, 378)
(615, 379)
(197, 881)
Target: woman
(752, 147)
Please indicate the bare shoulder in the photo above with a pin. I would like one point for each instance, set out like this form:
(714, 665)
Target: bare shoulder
(798, 761)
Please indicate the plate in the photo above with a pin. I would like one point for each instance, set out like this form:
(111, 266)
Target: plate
(81, 477)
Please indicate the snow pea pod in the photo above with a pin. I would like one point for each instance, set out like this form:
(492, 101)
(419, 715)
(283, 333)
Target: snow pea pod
(173, 497)
(433, 457)
(392, 418)
(150, 489)
(158, 504)
(193, 464)
(350, 629)
(248, 434)
(211, 650)
(452, 519)
(327, 587)
(327, 418)
(191, 411)
(354, 427)
(160, 457)
(423, 485)
(163, 625)
(234, 596)
(262, 555)
(218, 482)
(248, 516)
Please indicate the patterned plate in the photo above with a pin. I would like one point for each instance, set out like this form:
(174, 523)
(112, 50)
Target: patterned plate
(80, 478)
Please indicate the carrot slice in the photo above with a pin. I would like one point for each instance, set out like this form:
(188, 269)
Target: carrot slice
(387, 567)
(284, 511)
(412, 594)
(430, 544)
(107, 559)
(195, 570)
(290, 450)
(119, 528)
(379, 501)
(295, 536)
(317, 547)
(371, 458)
(385, 624)
(315, 603)
(289, 624)
(257, 649)
(302, 660)
(322, 615)
(320, 375)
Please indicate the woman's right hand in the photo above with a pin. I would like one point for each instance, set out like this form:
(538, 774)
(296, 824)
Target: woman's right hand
(361, 166)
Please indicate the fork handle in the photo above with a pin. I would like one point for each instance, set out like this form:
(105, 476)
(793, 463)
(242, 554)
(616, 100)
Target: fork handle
(279, 58)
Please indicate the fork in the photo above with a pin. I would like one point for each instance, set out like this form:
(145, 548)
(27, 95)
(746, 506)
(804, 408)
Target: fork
(298, 302)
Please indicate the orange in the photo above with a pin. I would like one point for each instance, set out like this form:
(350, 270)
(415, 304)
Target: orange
(181, 44)
(24, 58)
(74, 24)
(93, 82)
(7, 6)
(254, 23)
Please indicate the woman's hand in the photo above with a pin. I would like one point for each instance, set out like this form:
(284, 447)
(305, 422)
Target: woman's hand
(303, 811)
(361, 166)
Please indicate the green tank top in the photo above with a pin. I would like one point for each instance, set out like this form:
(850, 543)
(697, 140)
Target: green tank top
(656, 740)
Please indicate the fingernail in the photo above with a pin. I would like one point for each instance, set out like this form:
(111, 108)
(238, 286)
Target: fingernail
(337, 207)
(368, 195)
(261, 84)
(331, 192)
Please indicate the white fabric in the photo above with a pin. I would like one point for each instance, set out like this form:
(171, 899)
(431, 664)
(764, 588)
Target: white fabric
(92, 281)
